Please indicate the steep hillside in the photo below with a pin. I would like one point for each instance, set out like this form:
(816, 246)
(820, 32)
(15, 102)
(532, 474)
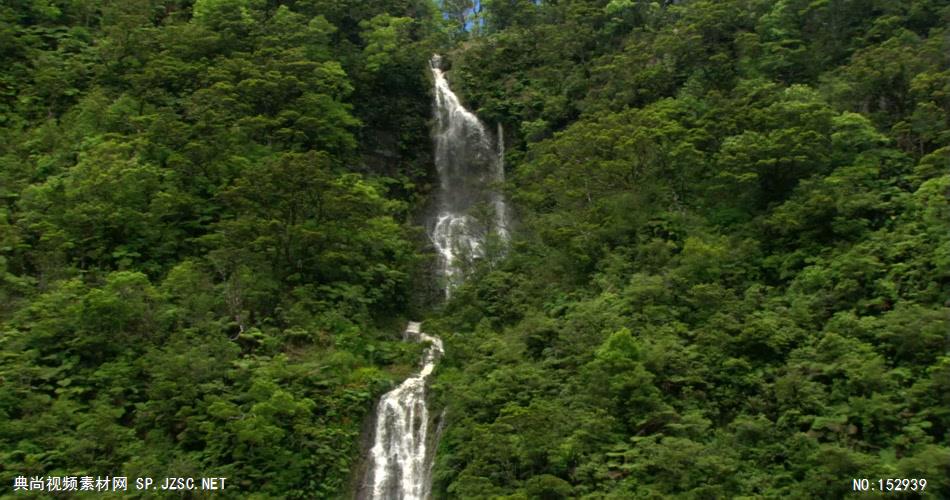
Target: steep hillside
(731, 273)
(205, 235)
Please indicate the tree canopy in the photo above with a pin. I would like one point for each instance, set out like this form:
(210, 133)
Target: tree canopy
(205, 235)
(729, 274)
(729, 277)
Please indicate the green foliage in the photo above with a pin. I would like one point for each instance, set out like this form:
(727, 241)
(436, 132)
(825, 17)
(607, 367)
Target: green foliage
(730, 273)
(729, 276)
(202, 266)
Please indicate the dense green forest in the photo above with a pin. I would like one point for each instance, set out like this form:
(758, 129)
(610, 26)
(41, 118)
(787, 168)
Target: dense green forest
(205, 237)
(732, 272)
(729, 274)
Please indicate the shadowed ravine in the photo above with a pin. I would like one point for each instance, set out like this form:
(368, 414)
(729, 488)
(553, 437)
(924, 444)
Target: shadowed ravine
(468, 162)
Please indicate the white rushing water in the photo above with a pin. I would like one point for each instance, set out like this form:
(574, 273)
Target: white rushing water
(471, 171)
(400, 454)
(470, 208)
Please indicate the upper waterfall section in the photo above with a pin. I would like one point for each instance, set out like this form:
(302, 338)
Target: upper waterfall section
(469, 164)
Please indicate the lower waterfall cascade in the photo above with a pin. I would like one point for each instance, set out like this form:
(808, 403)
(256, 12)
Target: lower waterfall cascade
(400, 453)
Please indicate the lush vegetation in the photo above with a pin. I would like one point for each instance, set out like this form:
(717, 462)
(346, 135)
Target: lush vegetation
(732, 270)
(730, 275)
(205, 246)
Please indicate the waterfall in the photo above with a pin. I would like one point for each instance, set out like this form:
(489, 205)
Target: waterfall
(471, 170)
(400, 458)
(470, 208)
